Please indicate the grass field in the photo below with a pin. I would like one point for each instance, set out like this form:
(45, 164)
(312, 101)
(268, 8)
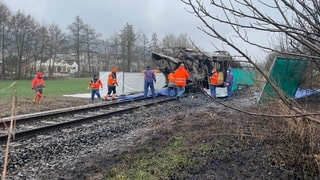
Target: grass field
(53, 87)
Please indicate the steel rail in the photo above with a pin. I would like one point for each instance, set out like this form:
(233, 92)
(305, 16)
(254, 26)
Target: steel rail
(37, 131)
(32, 117)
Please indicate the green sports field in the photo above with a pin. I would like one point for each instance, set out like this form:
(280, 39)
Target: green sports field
(53, 87)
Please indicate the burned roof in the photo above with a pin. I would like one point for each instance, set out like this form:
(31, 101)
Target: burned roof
(159, 56)
(174, 57)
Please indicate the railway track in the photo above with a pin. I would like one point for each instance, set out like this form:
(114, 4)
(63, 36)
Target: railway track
(35, 124)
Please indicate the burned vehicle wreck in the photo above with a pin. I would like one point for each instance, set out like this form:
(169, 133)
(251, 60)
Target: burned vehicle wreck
(199, 65)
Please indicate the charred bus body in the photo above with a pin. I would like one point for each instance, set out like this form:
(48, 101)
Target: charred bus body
(199, 64)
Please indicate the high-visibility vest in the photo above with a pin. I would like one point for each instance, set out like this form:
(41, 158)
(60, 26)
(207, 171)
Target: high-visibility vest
(95, 85)
(112, 79)
(181, 75)
(214, 78)
(171, 78)
(37, 83)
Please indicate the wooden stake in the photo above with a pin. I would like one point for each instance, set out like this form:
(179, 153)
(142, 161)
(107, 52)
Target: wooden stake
(9, 135)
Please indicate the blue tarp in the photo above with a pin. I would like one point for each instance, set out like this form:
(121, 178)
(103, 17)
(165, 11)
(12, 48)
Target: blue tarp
(306, 92)
(158, 92)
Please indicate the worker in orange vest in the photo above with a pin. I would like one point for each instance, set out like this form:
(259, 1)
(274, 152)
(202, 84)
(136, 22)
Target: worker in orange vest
(112, 83)
(95, 84)
(171, 84)
(181, 75)
(37, 84)
(214, 82)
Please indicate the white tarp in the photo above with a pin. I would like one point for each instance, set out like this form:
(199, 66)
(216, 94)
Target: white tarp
(220, 92)
(129, 82)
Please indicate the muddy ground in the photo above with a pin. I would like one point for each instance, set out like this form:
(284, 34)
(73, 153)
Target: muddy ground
(212, 141)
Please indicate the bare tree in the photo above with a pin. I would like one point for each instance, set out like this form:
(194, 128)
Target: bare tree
(38, 44)
(21, 28)
(155, 46)
(142, 51)
(244, 18)
(76, 29)
(183, 41)
(113, 51)
(4, 18)
(239, 22)
(101, 51)
(172, 41)
(169, 41)
(90, 43)
(155, 43)
(128, 39)
(56, 41)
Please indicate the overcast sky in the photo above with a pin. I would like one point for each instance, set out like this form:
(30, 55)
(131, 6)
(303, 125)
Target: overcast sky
(110, 16)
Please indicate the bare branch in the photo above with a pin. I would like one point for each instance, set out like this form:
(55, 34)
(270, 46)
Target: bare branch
(255, 19)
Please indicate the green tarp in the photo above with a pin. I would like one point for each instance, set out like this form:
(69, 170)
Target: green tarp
(286, 74)
(242, 78)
